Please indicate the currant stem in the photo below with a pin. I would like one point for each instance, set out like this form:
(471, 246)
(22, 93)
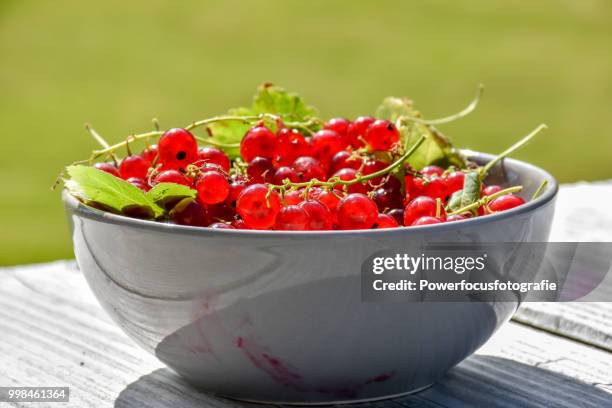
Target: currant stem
(485, 170)
(486, 200)
(466, 111)
(537, 193)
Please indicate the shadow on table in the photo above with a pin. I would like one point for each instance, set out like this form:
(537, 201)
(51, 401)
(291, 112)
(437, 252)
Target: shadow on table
(480, 381)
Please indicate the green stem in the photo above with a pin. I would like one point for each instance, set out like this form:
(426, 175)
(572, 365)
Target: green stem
(487, 199)
(466, 111)
(539, 190)
(485, 170)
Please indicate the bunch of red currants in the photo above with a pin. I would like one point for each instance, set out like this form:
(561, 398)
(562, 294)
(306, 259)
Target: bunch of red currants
(339, 177)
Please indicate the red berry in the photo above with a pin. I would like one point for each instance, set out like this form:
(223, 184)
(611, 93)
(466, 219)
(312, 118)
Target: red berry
(260, 170)
(221, 212)
(259, 141)
(431, 171)
(140, 183)
(454, 182)
(398, 214)
(235, 189)
(492, 189)
(325, 144)
(340, 126)
(455, 217)
(372, 166)
(345, 159)
(357, 129)
(177, 149)
(291, 218)
(293, 197)
(284, 173)
(134, 166)
(108, 168)
(173, 176)
(426, 220)
(150, 153)
(435, 188)
(212, 187)
(258, 207)
(420, 207)
(290, 145)
(220, 225)
(385, 221)
(330, 199)
(381, 135)
(348, 175)
(319, 216)
(214, 156)
(356, 211)
(387, 199)
(308, 168)
(505, 202)
(194, 214)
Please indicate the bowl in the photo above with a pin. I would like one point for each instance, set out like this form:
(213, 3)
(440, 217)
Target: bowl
(273, 316)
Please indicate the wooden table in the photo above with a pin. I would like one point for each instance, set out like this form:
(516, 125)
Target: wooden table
(53, 333)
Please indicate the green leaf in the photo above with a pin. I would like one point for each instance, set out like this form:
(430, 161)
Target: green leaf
(269, 99)
(436, 149)
(470, 193)
(288, 105)
(105, 191)
(167, 195)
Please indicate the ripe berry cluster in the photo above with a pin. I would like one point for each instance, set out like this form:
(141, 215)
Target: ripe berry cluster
(348, 175)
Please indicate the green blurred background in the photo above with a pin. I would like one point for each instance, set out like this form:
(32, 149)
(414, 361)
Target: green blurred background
(117, 64)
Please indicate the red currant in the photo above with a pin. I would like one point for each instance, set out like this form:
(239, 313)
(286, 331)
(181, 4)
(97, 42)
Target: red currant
(108, 168)
(387, 199)
(492, 189)
(214, 156)
(426, 220)
(221, 212)
(398, 214)
(325, 144)
(260, 170)
(345, 159)
(173, 176)
(177, 149)
(290, 145)
(505, 202)
(134, 166)
(385, 221)
(213, 187)
(140, 183)
(340, 126)
(194, 214)
(454, 182)
(348, 175)
(319, 216)
(284, 173)
(293, 197)
(308, 168)
(330, 199)
(381, 135)
(235, 189)
(357, 129)
(357, 211)
(456, 217)
(420, 207)
(291, 218)
(432, 171)
(435, 188)
(258, 207)
(372, 166)
(150, 153)
(259, 141)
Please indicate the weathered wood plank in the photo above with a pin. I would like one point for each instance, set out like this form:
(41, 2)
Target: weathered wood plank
(577, 219)
(53, 333)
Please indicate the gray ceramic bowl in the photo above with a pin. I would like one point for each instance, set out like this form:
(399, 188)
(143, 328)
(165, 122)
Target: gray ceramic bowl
(277, 316)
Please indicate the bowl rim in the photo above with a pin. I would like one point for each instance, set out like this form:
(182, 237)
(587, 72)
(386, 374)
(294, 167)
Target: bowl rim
(72, 204)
